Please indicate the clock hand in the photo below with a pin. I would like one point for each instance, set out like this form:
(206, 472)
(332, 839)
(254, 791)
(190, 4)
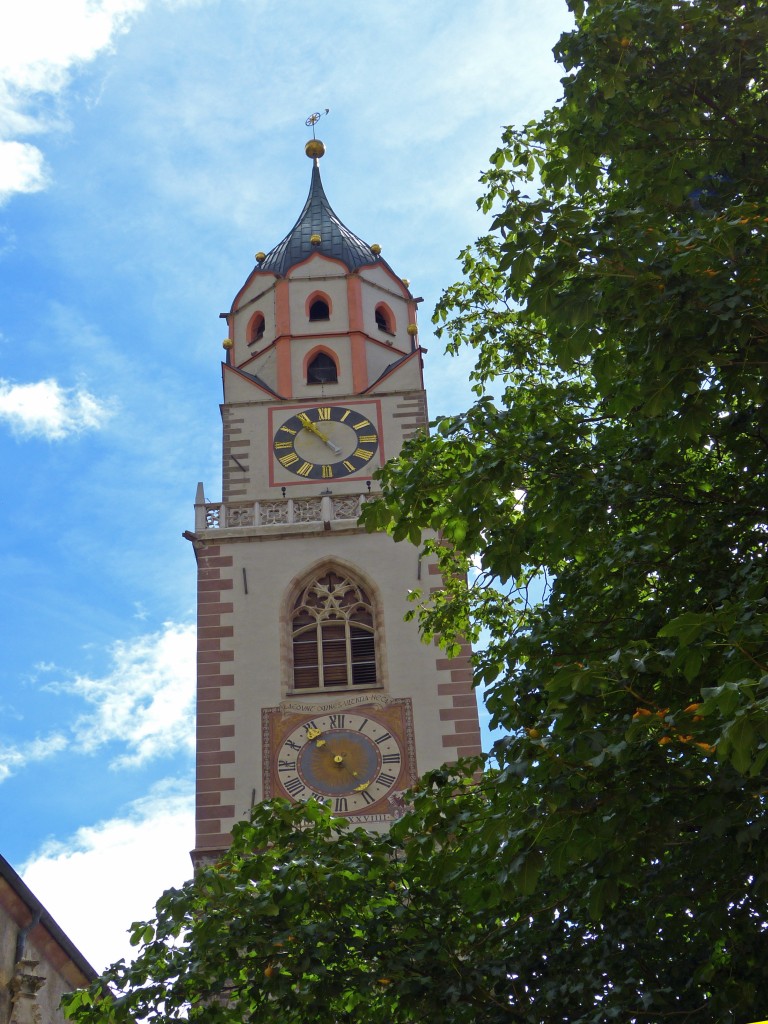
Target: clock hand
(314, 429)
(314, 733)
(334, 447)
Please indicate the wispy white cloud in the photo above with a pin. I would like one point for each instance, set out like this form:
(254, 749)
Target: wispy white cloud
(41, 43)
(146, 849)
(145, 701)
(46, 409)
(13, 757)
(143, 705)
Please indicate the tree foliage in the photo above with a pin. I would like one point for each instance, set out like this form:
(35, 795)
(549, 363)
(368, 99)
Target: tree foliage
(618, 451)
(612, 866)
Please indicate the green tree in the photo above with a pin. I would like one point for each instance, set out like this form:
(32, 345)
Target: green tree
(306, 919)
(617, 451)
(612, 865)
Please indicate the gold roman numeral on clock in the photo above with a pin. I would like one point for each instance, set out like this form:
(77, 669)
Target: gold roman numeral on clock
(327, 472)
(289, 431)
(324, 413)
(289, 460)
(349, 465)
(362, 423)
(304, 469)
(283, 444)
(368, 438)
(363, 453)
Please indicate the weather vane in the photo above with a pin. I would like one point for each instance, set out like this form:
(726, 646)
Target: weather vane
(314, 118)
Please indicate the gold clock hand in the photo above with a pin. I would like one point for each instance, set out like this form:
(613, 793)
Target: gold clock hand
(314, 429)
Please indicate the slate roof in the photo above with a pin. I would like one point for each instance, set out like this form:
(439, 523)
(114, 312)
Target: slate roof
(317, 218)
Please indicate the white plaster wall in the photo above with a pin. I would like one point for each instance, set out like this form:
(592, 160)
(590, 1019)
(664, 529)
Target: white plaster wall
(340, 347)
(327, 277)
(261, 639)
(378, 286)
(258, 296)
(379, 357)
(264, 366)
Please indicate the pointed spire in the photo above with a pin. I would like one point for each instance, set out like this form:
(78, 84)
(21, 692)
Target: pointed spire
(318, 229)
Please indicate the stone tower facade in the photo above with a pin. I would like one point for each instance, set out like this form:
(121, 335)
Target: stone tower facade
(310, 682)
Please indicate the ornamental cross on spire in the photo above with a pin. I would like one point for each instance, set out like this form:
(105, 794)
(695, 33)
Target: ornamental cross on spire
(314, 118)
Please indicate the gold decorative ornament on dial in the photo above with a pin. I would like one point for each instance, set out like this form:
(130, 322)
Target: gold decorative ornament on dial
(352, 760)
(325, 442)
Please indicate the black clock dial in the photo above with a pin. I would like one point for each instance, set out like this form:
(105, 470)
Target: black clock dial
(325, 441)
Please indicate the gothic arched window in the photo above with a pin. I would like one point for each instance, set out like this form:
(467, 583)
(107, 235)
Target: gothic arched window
(319, 310)
(322, 370)
(256, 328)
(333, 635)
(384, 319)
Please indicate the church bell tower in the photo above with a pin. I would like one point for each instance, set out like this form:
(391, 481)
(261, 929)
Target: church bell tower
(309, 681)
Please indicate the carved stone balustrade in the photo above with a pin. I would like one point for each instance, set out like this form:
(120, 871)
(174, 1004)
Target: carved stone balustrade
(322, 512)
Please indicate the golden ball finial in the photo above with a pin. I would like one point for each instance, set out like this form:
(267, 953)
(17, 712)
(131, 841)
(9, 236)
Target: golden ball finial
(315, 239)
(260, 256)
(413, 329)
(406, 281)
(227, 343)
(315, 149)
(375, 248)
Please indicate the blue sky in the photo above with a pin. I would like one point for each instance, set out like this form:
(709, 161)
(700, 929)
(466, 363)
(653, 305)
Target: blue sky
(147, 149)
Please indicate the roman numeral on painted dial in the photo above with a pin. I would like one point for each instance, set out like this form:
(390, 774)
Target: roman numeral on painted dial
(352, 760)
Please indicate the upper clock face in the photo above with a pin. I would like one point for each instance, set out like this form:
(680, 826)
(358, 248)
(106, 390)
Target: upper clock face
(325, 441)
(350, 759)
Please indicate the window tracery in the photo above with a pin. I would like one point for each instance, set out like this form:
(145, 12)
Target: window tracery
(333, 635)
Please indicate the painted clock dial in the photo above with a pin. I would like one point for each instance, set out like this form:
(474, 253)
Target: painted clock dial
(350, 759)
(324, 442)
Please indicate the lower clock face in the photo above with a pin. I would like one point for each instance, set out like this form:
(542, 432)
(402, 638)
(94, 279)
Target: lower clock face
(350, 759)
(325, 442)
